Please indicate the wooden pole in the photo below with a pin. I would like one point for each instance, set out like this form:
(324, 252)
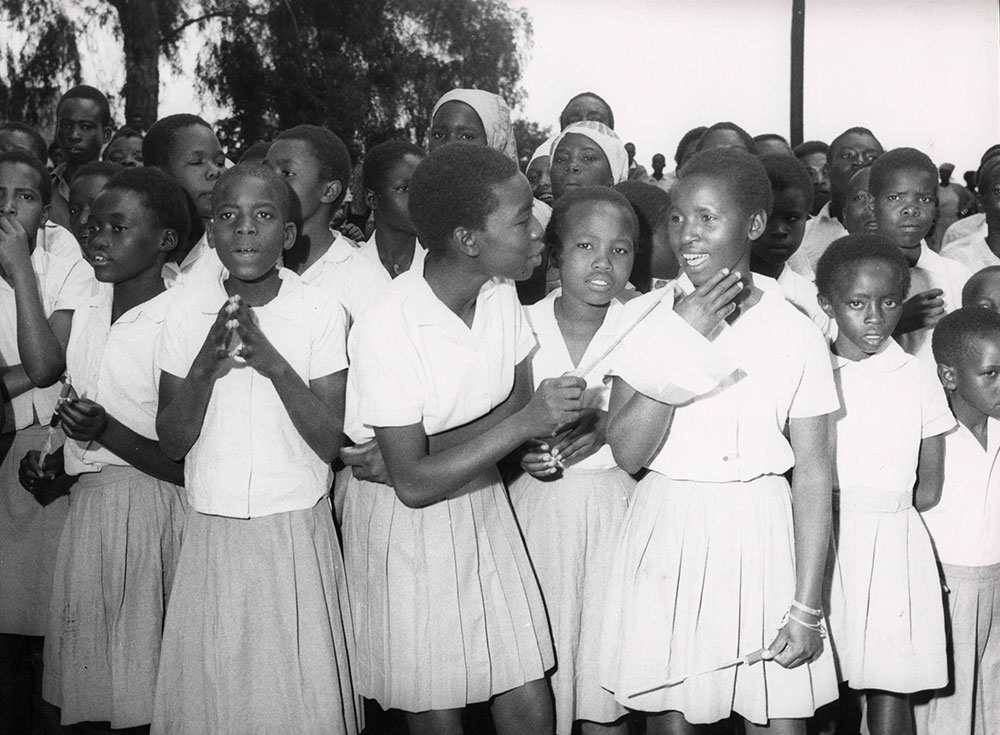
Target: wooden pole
(798, 55)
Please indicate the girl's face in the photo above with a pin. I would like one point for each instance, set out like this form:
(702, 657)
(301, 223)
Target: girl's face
(125, 151)
(510, 243)
(579, 161)
(867, 302)
(707, 228)
(392, 202)
(123, 239)
(456, 122)
(196, 162)
(785, 227)
(82, 193)
(540, 180)
(596, 252)
(905, 209)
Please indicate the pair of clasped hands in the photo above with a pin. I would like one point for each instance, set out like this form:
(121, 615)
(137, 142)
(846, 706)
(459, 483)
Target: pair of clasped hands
(574, 432)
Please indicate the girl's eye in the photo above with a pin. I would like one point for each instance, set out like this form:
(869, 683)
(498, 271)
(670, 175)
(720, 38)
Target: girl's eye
(226, 215)
(621, 251)
(708, 218)
(118, 228)
(925, 200)
(584, 245)
(990, 373)
(855, 304)
(675, 218)
(286, 173)
(890, 303)
(401, 189)
(28, 196)
(265, 215)
(892, 197)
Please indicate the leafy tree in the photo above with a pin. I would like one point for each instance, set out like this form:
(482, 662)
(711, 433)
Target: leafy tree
(367, 69)
(529, 136)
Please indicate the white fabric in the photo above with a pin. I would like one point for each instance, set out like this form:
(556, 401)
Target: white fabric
(58, 240)
(965, 524)
(784, 372)
(355, 281)
(370, 250)
(971, 251)
(415, 361)
(607, 139)
(113, 365)
(821, 230)
(63, 284)
(249, 459)
(201, 260)
(551, 358)
(895, 401)
(964, 227)
(802, 294)
(933, 271)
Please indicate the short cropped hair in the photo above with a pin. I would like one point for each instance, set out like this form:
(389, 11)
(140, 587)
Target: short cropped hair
(852, 250)
(455, 186)
(106, 169)
(809, 147)
(329, 150)
(691, 136)
(899, 159)
(955, 333)
(770, 136)
(39, 147)
(726, 125)
(787, 172)
(31, 160)
(86, 92)
(159, 141)
(383, 157)
(856, 130)
(163, 196)
(126, 132)
(256, 153)
(282, 193)
(563, 122)
(586, 195)
(742, 172)
(971, 288)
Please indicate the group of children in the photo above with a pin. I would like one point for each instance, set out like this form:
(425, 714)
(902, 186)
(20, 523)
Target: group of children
(708, 458)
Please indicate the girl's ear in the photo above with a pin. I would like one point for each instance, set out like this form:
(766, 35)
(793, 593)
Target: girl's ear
(946, 374)
(825, 305)
(758, 221)
(169, 241)
(466, 241)
(331, 192)
(371, 201)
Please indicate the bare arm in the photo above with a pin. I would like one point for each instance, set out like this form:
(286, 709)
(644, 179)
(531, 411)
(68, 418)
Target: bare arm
(637, 426)
(421, 478)
(930, 473)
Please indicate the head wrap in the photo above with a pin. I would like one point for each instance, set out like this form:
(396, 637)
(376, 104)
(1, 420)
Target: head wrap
(607, 139)
(493, 113)
(989, 164)
(543, 151)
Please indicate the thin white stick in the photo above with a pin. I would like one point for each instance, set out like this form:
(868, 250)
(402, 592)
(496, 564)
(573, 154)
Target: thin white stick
(749, 659)
(584, 369)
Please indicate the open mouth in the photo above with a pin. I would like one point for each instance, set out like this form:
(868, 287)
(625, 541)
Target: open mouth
(99, 259)
(695, 259)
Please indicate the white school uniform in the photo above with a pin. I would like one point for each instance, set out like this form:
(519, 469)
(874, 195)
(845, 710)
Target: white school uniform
(802, 293)
(972, 252)
(965, 527)
(820, 232)
(964, 227)
(256, 636)
(201, 262)
(571, 527)
(370, 250)
(446, 607)
(933, 271)
(118, 549)
(705, 568)
(886, 619)
(353, 279)
(29, 532)
(56, 239)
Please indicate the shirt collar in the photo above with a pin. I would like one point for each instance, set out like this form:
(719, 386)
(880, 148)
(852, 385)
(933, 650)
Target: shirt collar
(887, 360)
(929, 260)
(423, 307)
(340, 250)
(214, 294)
(154, 310)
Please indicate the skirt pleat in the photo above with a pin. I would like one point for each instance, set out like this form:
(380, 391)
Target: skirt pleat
(29, 541)
(113, 575)
(703, 574)
(256, 636)
(571, 528)
(886, 611)
(446, 607)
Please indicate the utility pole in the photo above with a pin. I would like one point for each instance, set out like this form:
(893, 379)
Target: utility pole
(798, 54)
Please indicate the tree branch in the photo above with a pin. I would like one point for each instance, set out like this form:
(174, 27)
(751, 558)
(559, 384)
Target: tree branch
(167, 38)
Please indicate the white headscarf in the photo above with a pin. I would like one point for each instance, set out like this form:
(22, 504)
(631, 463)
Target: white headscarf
(607, 139)
(543, 151)
(493, 113)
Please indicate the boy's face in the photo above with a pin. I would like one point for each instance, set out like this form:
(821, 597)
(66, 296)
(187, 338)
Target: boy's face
(248, 230)
(80, 131)
(21, 197)
(815, 164)
(987, 291)
(866, 303)
(852, 151)
(196, 161)
(722, 138)
(859, 214)
(125, 152)
(989, 197)
(905, 208)
(123, 240)
(296, 163)
(392, 202)
(510, 243)
(975, 380)
(785, 227)
(82, 193)
(707, 228)
(586, 108)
